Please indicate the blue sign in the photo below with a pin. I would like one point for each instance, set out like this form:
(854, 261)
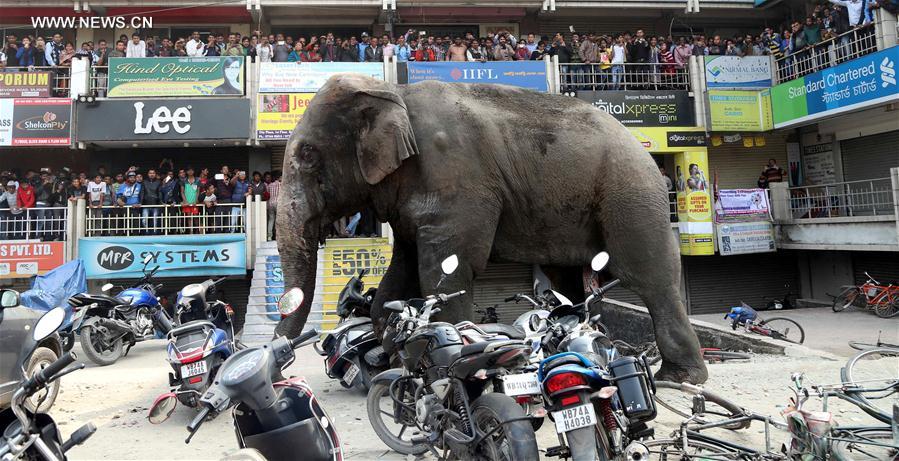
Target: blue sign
(176, 256)
(862, 82)
(526, 74)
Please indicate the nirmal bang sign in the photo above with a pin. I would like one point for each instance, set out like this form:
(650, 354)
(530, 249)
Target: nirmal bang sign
(176, 256)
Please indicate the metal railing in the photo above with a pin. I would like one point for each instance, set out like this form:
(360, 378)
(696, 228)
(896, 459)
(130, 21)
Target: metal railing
(628, 76)
(99, 77)
(165, 220)
(60, 76)
(44, 223)
(872, 197)
(827, 53)
(672, 206)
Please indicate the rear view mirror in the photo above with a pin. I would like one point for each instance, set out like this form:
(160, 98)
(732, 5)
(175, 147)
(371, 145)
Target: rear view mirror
(535, 322)
(599, 261)
(450, 264)
(394, 306)
(48, 323)
(290, 301)
(9, 298)
(106, 287)
(162, 408)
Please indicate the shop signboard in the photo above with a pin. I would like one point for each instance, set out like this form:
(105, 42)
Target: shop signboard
(30, 84)
(694, 203)
(278, 114)
(199, 76)
(740, 110)
(738, 72)
(344, 258)
(25, 259)
(164, 119)
(742, 205)
(308, 77)
(862, 82)
(817, 161)
(176, 256)
(663, 140)
(644, 108)
(35, 122)
(746, 237)
(524, 74)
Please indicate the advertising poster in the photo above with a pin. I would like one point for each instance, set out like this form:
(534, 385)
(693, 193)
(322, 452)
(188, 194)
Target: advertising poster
(817, 161)
(742, 205)
(177, 256)
(25, 259)
(25, 84)
(308, 77)
(740, 110)
(644, 108)
(738, 72)
(35, 122)
(524, 74)
(278, 114)
(746, 237)
(344, 258)
(668, 140)
(694, 203)
(862, 82)
(202, 76)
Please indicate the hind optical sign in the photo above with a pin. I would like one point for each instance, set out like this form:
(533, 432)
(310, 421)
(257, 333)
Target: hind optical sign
(177, 256)
(863, 82)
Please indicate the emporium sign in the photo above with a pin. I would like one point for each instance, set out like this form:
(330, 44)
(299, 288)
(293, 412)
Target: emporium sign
(862, 82)
(176, 256)
(25, 84)
(35, 122)
(644, 108)
(738, 72)
(740, 110)
(201, 76)
(524, 74)
(308, 77)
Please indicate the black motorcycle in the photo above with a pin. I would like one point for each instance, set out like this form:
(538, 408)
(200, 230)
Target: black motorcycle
(353, 354)
(280, 418)
(443, 389)
(35, 436)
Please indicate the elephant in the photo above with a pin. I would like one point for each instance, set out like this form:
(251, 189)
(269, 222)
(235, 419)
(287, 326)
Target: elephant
(489, 173)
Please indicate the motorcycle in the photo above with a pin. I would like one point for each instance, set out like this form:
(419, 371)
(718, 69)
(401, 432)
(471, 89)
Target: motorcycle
(109, 326)
(585, 378)
(202, 340)
(35, 436)
(353, 354)
(276, 417)
(788, 301)
(442, 388)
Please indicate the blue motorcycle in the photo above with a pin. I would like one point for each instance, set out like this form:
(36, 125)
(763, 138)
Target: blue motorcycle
(108, 326)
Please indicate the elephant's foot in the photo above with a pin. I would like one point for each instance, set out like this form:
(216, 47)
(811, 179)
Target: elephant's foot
(680, 373)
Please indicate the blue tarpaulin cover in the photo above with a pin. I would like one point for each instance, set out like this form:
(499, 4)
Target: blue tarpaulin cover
(55, 287)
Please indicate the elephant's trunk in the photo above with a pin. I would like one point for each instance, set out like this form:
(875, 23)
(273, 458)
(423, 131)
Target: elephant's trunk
(298, 236)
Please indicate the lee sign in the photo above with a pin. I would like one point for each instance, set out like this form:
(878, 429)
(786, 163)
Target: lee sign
(176, 256)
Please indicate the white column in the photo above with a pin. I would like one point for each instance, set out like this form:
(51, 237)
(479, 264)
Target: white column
(885, 29)
(780, 203)
(697, 72)
(894, 182)
(79, 77)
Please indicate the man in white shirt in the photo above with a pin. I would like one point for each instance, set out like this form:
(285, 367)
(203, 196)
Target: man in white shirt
(195, 46)
(137, 48)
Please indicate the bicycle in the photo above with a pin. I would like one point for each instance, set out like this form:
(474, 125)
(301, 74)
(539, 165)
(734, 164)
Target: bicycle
(876, 366)
(860, 346)
(882, 299)
(780, 328)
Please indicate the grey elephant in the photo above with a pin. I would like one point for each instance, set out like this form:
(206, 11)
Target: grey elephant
(487, 172)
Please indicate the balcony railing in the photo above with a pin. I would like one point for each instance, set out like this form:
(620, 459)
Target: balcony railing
(45, 224)
(828, 53)
(628, 76)
(165, 220)
(873, 197)
(59, 76)
(99, 77)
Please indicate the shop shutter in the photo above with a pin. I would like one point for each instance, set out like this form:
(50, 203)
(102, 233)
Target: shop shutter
(738, 167)
(498, 282)
(870, 157)
(278, 158)
(622, 294)
(198, 157)
(883, 266)
(717, 283)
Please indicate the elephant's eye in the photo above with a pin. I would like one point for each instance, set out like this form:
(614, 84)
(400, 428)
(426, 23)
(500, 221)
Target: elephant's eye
(307, 152)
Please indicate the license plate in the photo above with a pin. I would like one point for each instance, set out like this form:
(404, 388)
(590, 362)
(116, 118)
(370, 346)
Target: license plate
(521, 384)
(351, 374)
(193, 369)
(573, 418)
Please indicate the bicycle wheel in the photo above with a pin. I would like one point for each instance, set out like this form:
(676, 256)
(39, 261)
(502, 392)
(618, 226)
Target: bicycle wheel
(872, 369)
(784, 329)
(715, 355)
(679, 399)
(673, 450)
(863, 444)
(845, 299)
(887, 310)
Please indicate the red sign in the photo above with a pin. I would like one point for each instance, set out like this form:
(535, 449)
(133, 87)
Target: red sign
(25, 259)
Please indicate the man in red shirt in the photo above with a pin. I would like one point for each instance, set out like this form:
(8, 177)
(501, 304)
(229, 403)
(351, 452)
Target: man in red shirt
(25, 195)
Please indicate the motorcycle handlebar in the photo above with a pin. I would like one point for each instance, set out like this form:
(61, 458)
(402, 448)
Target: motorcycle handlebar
(511, 298)
(46, 375)
(605, 288)
(453, 295)
(295, 342)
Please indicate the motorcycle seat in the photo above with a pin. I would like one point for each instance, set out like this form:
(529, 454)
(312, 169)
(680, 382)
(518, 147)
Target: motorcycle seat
(192, 326)
(508, 331)
(480, 347)
(84, 299)
(564, 360)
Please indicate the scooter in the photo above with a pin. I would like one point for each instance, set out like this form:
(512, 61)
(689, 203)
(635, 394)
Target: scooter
(202, 340)
(276, 417)
(353, 354)
(787, 302)
(35, 436)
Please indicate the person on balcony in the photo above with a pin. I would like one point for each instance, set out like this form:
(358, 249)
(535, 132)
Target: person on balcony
(211, 48)
(194, 46)
(151, 199)
(402, 50)
(771, 173)
(25, 53)
(374, 52)
(617, 60)
(119, 51)
(190, 196)
(240, 190)
(137, 48)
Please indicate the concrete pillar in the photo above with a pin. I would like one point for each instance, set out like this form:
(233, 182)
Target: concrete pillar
(77, 221)
(885, 29)
(696, 67)
(894, 183)
(552, 73)
(780, 202)
(80, 77)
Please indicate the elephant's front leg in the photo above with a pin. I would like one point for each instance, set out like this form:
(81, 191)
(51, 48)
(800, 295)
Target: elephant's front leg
(400, 282)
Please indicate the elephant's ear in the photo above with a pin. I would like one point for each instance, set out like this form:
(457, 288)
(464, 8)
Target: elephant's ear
(385, 136)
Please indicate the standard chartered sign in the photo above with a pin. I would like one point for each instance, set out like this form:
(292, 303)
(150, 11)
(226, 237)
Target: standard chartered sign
(862, 82)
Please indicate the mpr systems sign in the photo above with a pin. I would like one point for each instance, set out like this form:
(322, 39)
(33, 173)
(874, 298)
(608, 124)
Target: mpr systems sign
(164, 119)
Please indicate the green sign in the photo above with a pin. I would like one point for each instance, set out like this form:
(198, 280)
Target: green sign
(205, 76)
(740, 110)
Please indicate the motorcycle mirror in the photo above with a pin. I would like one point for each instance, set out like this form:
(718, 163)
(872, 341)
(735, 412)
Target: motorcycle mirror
(9, 298)
(534, 322)
(563, 300)
(290, 301)
(599, 261)
(162, 408)
(450, 264)
(106, 287)
(48, 323)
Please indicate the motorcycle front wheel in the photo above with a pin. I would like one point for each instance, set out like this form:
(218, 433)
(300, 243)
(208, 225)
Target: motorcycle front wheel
(511, 434)
(96, 348)
(397, 436)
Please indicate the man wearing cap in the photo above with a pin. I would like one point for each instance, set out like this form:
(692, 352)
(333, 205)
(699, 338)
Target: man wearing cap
(362, 46)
